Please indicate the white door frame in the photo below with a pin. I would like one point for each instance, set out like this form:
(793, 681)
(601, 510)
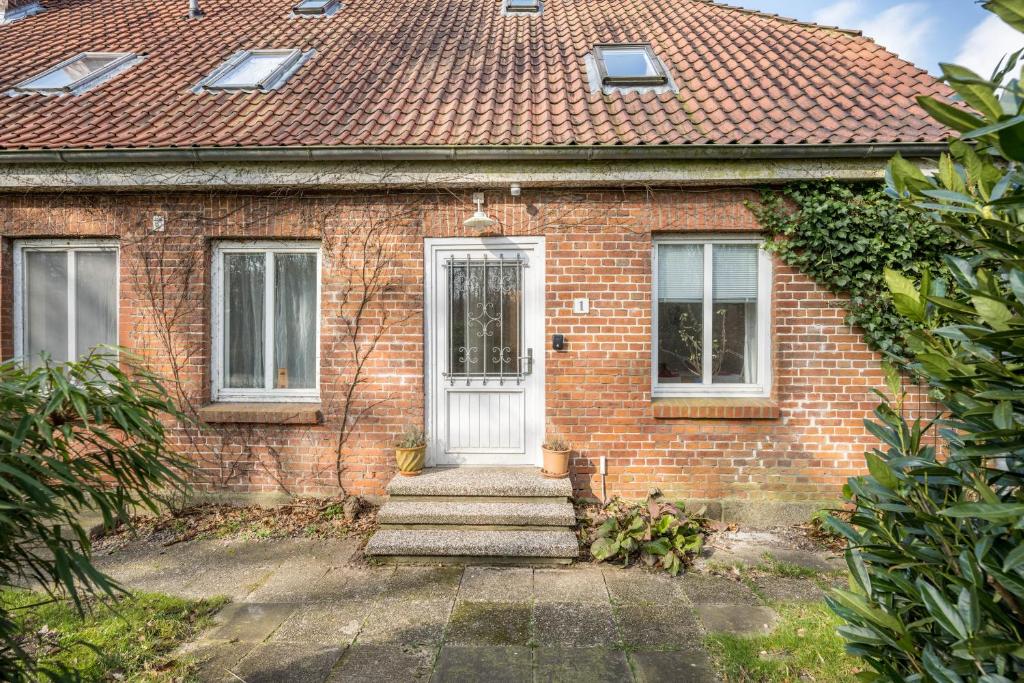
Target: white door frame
(534, 417)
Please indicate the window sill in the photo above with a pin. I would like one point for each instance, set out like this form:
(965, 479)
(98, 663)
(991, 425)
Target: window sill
(714, 408)
(262, 413)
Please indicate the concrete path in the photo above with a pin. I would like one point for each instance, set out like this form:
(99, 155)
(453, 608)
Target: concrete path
(304, 611)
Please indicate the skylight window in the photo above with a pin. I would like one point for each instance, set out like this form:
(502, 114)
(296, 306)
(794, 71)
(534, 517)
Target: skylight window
(78, 73)
(314, 8)
(255, 70)
(19, 9)
(629, 65)
(522, 6)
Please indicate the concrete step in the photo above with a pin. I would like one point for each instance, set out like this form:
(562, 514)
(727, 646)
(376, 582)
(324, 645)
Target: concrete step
(462, 513)
(514, 482)
(468, 546)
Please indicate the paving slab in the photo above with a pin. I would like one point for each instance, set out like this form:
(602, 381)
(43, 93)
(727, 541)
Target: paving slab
(683, 666)
(215, 659)
(422, 583)
(637, 586)
(406, 623)
(287, 663)
(575, 665)
(347, 583)
(703, 589)
(496, 584)
(572, 584)
(294, 582)
(748, 548)
(657, 627)
(332, 624)
(788, 589)
(250, 621)
(469, 664)
(740, 620)
(490, 623)
(395, 664)
(576, 625)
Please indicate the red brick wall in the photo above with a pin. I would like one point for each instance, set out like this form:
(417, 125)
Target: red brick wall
(598, 244)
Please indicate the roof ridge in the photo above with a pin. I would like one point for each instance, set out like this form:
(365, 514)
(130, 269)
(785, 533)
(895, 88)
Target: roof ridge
(788, 20)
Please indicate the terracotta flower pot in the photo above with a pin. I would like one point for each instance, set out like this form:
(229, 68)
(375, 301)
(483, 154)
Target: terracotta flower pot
(410, 460)
(556, 463)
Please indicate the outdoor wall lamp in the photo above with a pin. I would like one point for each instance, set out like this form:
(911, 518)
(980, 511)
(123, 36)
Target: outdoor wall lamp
(479, 220)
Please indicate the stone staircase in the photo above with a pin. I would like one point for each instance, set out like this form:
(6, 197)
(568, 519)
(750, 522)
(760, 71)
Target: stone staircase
(476, 515)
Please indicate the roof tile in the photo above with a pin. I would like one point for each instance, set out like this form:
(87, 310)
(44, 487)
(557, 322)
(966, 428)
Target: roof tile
(395, 72)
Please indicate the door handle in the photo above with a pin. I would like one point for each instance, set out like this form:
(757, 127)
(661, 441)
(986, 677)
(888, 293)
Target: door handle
(528, 361)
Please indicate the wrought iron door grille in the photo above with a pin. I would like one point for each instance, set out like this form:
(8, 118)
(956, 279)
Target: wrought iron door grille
(485, 319)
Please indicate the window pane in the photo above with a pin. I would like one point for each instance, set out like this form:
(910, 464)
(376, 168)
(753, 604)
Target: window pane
(628, 62)
(46, 305)
(95, 300)
(244, 286)
(253, 69)
(522, 4)
(680, 313)
(680, 342)
(75, 71)
(484, 302)
(734, 314)
(295, 321)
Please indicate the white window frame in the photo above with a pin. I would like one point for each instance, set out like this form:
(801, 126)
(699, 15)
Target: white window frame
(220, 393)
(509, 10)
(67, 246)
(293, 59)
(122, 59)
(660, 78)
(326, 10)
(762, 387)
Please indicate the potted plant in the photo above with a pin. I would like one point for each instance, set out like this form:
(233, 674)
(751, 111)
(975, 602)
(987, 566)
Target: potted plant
(556, 457)
(410, 450)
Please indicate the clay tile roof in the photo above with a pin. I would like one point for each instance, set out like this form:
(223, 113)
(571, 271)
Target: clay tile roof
(458, 72)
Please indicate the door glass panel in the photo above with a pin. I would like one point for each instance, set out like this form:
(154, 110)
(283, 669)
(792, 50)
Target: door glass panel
(95, 301)
(484, 317)
(244, 283)
(46, 305)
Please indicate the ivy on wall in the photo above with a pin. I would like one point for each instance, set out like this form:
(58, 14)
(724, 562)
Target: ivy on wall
(844, 236)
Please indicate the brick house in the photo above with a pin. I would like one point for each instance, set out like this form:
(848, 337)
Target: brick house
(324, 221)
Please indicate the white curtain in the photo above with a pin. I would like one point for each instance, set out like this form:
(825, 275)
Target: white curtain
(46, 305)
(244, 286)
(295, 321)
(95, 300)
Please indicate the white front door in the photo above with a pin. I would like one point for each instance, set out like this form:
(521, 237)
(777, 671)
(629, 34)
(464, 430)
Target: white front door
(485, 350)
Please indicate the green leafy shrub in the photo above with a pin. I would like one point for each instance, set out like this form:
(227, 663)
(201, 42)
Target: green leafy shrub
(656, 532)
(843, 236)
(936, 540)
(73, 437)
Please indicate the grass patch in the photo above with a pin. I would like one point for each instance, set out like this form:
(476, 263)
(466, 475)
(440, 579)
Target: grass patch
(804, 647)
(126, 640)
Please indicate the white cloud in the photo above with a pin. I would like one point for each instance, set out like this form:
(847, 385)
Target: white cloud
(904, 29)
(842, 13)
(990, 41)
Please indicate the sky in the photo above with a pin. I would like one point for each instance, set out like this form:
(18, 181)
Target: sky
(926, 32)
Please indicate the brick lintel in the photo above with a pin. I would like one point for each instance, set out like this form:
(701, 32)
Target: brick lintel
(715, 408)
(262, 413)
